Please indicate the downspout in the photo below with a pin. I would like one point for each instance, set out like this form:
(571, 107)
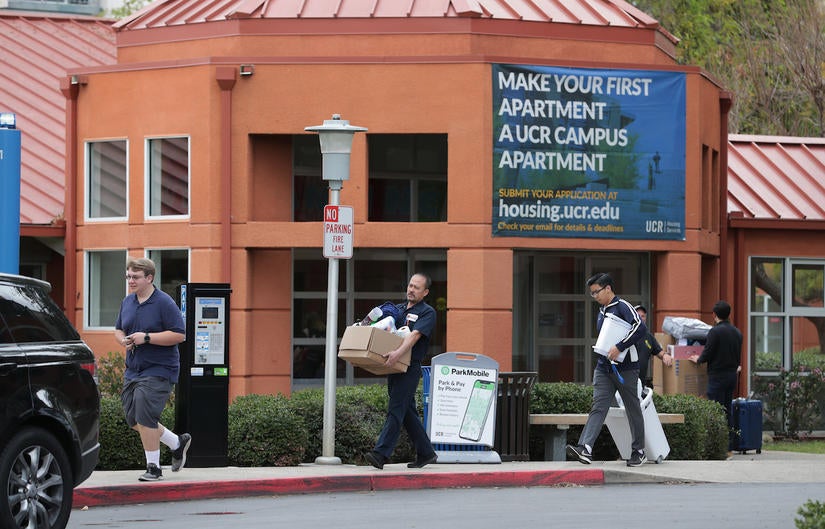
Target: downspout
(225, 75)
(70, 87)
(727, 291)
(725, 104)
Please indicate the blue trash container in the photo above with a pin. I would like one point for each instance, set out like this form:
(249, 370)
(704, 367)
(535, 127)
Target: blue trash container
(426, 377)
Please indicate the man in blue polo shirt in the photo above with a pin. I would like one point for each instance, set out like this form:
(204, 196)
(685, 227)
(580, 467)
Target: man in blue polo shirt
(420, 318)
(150, 327)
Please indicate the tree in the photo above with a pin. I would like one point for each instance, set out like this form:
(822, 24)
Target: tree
(128, 7)
(770, 54)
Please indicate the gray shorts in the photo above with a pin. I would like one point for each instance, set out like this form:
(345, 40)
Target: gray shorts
(144, 399)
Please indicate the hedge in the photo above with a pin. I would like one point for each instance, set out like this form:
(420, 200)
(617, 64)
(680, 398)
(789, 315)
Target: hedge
(275, 430)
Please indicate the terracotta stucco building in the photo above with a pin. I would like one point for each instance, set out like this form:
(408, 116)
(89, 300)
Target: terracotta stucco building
(191, 149)
(233, 198)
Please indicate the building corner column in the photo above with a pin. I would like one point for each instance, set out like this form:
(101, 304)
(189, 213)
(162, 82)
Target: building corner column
(70, 90)
(226, 76)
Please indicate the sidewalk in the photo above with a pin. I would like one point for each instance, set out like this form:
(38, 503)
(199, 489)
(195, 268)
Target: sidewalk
(122, 487)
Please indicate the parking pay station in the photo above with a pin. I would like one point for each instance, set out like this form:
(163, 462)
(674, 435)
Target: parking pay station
(202, 393)
(462, 407)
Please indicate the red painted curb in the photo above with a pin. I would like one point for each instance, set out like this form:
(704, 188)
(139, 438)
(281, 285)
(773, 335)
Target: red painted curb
(201, 490)
(488, 479)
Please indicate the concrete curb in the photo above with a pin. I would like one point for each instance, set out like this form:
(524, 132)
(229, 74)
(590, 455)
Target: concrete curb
(198, 490)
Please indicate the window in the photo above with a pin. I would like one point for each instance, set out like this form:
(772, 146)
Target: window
(370, 278)
(106, 287)
(787, 318)
(310, 190)
(171, 269)
(167, 162)
(407, 177)
(106, 179)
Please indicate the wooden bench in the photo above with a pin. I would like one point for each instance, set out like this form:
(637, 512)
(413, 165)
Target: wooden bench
(554, 428)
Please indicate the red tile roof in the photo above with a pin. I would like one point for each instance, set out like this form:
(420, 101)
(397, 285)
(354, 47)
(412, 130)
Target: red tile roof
(38, 49)
(776, 178)
(165, 13)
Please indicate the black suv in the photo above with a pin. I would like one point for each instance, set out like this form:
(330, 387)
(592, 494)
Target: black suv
(49, 407)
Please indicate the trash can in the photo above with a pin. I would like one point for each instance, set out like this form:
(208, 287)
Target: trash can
(425, 392)
(512, 436)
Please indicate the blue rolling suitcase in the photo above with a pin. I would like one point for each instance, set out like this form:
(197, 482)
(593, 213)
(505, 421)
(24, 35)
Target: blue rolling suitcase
(746, 425)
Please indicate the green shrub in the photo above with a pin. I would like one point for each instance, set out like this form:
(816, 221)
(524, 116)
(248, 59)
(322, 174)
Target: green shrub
(793, 399)
(704, 435)
(264, 430)
(359, 415)
(120, 446)
(812, 515)
(109, 371)
(267, 430)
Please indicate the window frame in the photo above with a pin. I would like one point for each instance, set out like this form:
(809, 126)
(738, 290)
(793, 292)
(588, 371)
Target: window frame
(349, 295)
(158, 279)
(92, 303)
(786, 313)
(87, 172)
(149, 184)
(414, 177)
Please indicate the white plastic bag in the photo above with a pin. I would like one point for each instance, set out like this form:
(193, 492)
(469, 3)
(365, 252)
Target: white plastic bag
(687, 328)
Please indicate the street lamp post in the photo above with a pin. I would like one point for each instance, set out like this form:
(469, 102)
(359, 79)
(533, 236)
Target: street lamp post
(335, 136)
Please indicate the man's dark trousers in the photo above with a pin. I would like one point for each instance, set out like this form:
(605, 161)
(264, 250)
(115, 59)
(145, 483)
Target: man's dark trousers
(403, 412)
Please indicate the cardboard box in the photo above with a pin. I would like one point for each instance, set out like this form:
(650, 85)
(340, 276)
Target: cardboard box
(684, 376)
(664, 339)
(366, 347)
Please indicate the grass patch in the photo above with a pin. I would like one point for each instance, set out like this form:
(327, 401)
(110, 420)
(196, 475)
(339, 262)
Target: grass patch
(808, 446)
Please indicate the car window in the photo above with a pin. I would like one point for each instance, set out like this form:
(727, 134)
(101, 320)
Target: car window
(29, 315)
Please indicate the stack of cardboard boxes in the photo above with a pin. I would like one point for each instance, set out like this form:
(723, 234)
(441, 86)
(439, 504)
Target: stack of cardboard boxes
(683, 376)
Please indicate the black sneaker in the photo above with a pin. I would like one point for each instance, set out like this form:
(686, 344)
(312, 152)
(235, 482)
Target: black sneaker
(637, 459)
(375, 459)
(580, 453)
(153, 473)
(179, 454)
(421, 462)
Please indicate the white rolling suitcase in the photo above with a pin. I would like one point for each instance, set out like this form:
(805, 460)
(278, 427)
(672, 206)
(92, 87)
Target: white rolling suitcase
(656, 445)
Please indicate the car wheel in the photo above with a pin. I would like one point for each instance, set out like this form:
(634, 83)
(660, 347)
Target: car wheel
(38, 481)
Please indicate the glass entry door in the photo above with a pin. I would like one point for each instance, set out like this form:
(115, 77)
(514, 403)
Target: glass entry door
(554, 319)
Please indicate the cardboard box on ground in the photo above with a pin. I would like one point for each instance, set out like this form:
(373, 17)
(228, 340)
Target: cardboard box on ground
(683, 376)
(366, 348)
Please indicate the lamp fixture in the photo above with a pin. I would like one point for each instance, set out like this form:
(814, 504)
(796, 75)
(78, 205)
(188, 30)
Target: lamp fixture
(8, 120)
(247, 70)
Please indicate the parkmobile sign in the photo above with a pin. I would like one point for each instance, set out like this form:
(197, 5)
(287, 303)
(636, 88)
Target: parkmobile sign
(338, 232)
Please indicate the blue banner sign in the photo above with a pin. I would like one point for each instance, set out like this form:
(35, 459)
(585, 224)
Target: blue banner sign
(590, 153)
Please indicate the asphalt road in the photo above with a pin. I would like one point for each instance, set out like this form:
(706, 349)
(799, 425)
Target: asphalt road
(647, 506)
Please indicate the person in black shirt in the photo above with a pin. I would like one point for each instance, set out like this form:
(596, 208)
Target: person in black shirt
(722, 353)
(648, 347)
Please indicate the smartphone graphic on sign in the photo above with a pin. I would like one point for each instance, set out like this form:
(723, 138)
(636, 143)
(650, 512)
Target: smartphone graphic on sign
(478, 408)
